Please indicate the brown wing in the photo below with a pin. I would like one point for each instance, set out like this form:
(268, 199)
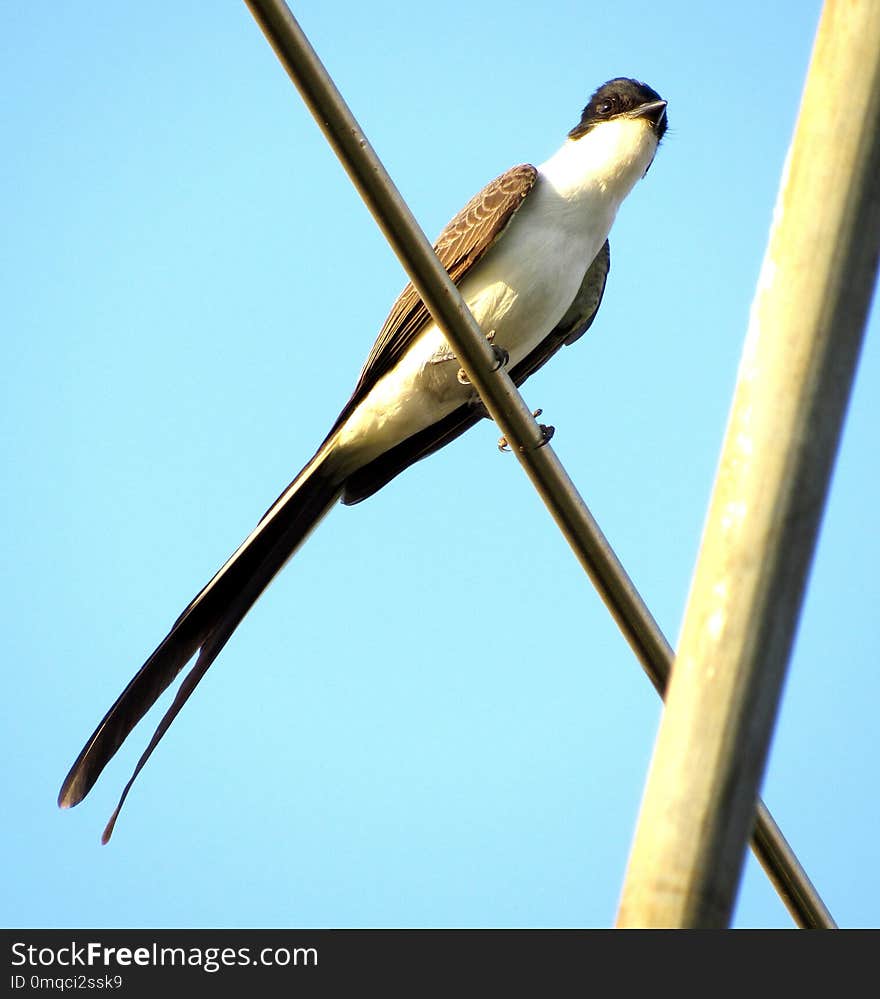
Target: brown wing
(460, 245)
(576, 321)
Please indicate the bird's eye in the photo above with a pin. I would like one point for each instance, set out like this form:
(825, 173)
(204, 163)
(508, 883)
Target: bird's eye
(606, 107)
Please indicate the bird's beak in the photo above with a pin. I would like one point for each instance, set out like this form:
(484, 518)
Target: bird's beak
(655, 112)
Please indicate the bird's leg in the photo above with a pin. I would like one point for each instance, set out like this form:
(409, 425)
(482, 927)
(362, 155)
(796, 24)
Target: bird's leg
(546, 433)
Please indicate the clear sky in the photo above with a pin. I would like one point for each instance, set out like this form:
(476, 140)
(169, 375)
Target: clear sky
(429, 719)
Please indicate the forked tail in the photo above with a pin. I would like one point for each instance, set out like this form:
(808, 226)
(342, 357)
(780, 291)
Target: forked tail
(205, 627)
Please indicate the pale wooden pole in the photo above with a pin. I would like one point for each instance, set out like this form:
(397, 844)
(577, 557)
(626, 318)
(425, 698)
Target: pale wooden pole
(795, 375)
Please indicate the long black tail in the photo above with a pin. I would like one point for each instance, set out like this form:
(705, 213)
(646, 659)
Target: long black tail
(205, 627)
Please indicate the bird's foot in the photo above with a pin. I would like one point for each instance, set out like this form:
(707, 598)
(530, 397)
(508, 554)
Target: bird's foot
(547, 433)
(501, 359)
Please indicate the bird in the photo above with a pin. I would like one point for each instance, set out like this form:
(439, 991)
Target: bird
(530, 256)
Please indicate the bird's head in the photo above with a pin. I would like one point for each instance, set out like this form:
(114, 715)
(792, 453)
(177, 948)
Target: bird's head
(619, 100)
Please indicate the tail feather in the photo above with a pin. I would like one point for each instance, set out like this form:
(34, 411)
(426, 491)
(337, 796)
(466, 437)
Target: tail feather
(204, 627)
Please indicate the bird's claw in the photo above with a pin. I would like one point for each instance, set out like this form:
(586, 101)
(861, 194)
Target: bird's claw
(547, 433)
(501, 359)
(501, 356)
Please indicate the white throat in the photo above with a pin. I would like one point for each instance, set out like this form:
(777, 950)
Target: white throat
(607, 161)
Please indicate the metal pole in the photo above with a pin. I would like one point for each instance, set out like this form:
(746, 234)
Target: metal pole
(505, 405)
(797, 368)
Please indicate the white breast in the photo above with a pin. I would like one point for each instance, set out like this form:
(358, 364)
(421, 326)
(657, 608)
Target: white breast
(519, 290)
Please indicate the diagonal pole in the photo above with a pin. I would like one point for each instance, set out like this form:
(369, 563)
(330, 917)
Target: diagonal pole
(506, 406)
(795, 376)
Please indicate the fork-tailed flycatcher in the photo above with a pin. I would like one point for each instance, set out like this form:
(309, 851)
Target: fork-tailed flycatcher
(530, 256)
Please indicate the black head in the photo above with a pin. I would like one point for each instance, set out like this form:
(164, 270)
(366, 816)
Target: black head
(623, 98)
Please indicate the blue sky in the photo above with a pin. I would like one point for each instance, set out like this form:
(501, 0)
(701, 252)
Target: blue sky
(429, 719)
